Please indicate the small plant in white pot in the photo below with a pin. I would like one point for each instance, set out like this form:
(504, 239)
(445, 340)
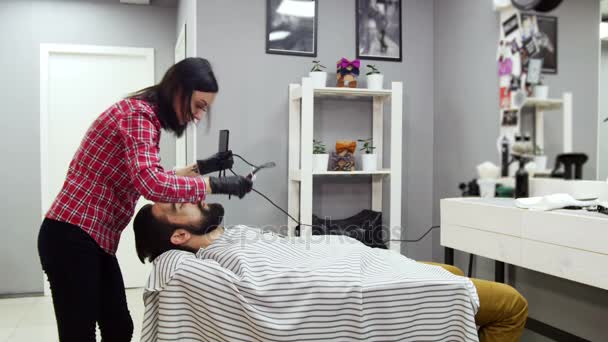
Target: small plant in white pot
(541, 90)
(369, 159)
(375, 79)
(318, 76)
(320, 157)
(540, 159)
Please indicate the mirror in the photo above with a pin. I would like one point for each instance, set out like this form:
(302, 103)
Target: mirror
(561, 110)
(603, 105)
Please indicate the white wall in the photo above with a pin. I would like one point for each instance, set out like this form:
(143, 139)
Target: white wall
(24, 25)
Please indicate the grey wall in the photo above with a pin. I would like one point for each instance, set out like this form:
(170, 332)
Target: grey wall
(578, 72)
(603, 132)
(466, 128)
(253, 104)
(25, 25)
(466, 95)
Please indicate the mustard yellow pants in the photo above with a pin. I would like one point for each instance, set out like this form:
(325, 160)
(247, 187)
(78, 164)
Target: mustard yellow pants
(502, 310)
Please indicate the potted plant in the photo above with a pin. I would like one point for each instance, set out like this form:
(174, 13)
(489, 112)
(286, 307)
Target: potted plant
(540, 159)
(320, 157)
(541, 91)
(375, 79)
(369, 159)
(319, 77)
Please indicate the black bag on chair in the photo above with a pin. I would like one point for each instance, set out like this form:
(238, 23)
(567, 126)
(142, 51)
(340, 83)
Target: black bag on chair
(366, 226)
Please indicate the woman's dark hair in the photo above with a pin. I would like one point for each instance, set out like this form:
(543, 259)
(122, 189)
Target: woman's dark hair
(183, 78)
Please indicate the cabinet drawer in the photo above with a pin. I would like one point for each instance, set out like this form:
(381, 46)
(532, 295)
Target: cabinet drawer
(569, 263)
(567, 229)
(487, 244)
(474, 213)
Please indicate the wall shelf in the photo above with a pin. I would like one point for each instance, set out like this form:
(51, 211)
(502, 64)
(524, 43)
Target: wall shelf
(301, 176)
(296, 94)
(353, 173)
(544, 104)
(334, 91)
(296, 174)
(550, 105)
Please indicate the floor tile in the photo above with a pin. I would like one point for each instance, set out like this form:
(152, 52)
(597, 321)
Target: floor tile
(11, 314)
(5, 333)
(33, 318)
(41, 333)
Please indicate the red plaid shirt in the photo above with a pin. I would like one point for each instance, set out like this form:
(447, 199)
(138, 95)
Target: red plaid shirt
(117, 162)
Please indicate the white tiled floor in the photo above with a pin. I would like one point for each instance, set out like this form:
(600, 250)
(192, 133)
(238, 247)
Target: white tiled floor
(32, 318)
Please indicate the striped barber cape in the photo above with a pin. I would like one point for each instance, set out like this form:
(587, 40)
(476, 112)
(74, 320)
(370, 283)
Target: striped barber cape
(251, 285)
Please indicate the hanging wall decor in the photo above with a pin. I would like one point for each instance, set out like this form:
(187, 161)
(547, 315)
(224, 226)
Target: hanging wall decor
(291, 27)
(536, 5)
(539, 34)
(379, 29)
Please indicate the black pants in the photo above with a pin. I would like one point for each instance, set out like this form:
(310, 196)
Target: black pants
(86, 285)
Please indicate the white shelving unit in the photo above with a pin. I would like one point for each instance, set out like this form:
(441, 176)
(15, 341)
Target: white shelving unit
(541, 106)
(301, 176)
(557, 105)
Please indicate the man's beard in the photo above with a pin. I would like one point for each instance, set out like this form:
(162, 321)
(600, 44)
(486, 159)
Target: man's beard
(213, 217)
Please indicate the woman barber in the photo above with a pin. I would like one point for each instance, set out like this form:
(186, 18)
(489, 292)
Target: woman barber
(117, 162)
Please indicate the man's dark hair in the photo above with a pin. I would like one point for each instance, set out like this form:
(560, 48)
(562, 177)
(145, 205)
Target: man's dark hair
(153, 234)
(152, 237)
(186, 76)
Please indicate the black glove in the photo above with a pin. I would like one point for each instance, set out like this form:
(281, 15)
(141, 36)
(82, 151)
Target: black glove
(233, 185)
(217, 162)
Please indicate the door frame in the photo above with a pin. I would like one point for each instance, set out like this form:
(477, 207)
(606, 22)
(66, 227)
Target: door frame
(181, 144)
(185, 146)
(45, 52)
(600, 113)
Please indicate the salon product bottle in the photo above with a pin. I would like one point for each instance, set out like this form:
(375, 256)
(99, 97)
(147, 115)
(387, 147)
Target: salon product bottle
(522, 187)
(518, 147)
(504, 157)
(528, 148)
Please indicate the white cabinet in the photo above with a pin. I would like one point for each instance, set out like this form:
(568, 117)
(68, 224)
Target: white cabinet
(570, 244)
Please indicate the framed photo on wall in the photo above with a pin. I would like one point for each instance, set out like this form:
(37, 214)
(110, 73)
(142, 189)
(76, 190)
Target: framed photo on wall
(541, 32)
(291, 27)
(379, 29)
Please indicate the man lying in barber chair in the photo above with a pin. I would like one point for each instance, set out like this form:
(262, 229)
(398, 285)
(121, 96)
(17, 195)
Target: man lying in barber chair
(255, 285)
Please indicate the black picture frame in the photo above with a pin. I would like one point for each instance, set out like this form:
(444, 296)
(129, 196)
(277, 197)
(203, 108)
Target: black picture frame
(395, 35)
(548, 29)
(304, 29)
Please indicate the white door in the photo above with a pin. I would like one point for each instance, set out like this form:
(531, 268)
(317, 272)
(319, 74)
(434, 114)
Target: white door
(77, 83)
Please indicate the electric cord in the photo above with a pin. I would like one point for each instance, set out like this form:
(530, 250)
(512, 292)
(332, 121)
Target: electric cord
(308, 225)
(244, 160)
(271, 202)
(422, 237)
